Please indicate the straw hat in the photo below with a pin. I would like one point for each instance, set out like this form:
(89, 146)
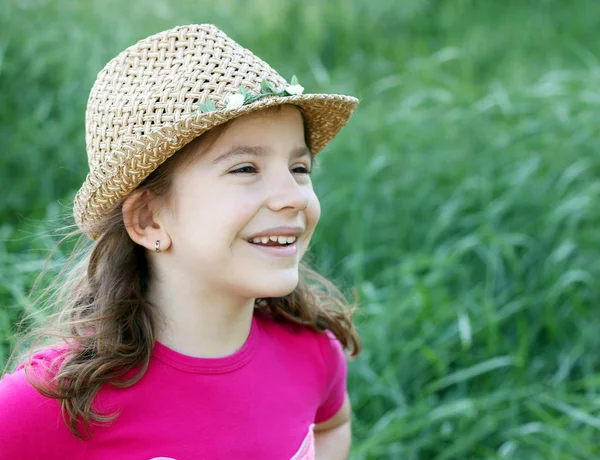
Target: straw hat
(166, 90)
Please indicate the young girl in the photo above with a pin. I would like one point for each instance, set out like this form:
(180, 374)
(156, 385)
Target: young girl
(193, 330)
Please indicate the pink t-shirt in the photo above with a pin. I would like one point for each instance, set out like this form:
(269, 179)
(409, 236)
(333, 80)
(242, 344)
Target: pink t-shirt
(259, 403)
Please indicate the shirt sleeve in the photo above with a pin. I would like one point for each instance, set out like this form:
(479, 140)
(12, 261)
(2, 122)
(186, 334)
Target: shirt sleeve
(336, 370)
(31, 424)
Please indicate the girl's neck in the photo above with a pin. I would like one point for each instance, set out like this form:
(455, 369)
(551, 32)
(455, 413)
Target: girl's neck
(202, 329)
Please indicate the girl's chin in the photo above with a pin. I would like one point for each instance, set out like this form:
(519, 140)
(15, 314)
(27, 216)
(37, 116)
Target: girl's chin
(281, 288)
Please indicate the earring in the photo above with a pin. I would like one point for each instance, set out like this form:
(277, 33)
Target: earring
(157, 245)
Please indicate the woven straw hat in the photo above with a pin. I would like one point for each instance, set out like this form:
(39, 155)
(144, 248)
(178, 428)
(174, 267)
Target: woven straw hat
(144, 107)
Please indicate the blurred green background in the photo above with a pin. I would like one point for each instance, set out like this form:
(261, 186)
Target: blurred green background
(461, 201)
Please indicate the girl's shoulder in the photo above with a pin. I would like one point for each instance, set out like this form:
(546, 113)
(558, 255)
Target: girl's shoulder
(29, 419)
(43, 363)
(40, 367)
(292, 332)
(317, 354)
(324, 345)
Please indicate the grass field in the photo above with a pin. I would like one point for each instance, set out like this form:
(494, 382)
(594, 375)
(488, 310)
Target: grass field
(462, 201)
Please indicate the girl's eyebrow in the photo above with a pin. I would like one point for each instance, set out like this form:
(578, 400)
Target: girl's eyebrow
(244, 150)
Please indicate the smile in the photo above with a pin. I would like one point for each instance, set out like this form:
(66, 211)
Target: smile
(274, 240)
(279, 250)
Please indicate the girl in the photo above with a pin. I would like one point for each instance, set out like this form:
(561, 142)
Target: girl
(193, 330)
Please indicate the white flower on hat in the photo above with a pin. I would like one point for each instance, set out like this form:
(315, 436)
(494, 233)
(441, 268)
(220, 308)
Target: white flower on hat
(234, 101)
(295, 90)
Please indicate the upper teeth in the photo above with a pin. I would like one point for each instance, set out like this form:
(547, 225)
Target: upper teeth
(277, 239)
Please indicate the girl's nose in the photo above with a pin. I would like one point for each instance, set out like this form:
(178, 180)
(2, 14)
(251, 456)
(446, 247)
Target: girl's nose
(284, 191)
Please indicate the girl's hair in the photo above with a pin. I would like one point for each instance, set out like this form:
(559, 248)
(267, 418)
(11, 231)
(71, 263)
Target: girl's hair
(101, 313)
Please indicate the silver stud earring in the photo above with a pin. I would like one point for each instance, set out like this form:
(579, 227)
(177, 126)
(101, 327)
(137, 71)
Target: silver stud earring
(157, 245)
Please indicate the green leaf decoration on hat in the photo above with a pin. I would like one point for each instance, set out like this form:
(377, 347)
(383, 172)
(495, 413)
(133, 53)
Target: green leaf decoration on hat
(267, 89)
(242, 90)
(208, 106)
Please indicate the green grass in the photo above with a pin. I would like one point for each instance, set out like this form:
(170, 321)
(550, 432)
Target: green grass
(462, 200)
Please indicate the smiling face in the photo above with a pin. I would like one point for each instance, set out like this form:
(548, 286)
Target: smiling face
(251, 179)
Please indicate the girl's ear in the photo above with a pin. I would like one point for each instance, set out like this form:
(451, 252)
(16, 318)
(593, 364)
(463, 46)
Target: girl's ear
(143, 222)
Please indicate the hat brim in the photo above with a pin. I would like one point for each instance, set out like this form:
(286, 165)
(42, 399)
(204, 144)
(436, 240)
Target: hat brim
(138, 157)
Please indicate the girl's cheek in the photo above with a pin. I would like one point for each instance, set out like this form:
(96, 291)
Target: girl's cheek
(315, 206)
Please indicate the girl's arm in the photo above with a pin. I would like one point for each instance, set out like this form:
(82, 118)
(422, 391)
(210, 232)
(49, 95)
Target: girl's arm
(334, 436)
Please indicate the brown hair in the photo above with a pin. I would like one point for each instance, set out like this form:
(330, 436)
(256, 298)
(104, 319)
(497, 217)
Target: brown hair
(100, 309)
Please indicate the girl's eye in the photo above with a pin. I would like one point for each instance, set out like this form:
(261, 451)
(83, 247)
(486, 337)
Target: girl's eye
(243, 170)
(302, 170)
(251, 169)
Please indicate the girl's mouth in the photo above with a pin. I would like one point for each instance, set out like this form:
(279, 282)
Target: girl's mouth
(277, 249)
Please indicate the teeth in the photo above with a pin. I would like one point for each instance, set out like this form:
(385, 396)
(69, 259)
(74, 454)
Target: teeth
(277, 239)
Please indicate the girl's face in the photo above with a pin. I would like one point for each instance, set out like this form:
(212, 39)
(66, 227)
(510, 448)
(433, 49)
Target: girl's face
(251, 179)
